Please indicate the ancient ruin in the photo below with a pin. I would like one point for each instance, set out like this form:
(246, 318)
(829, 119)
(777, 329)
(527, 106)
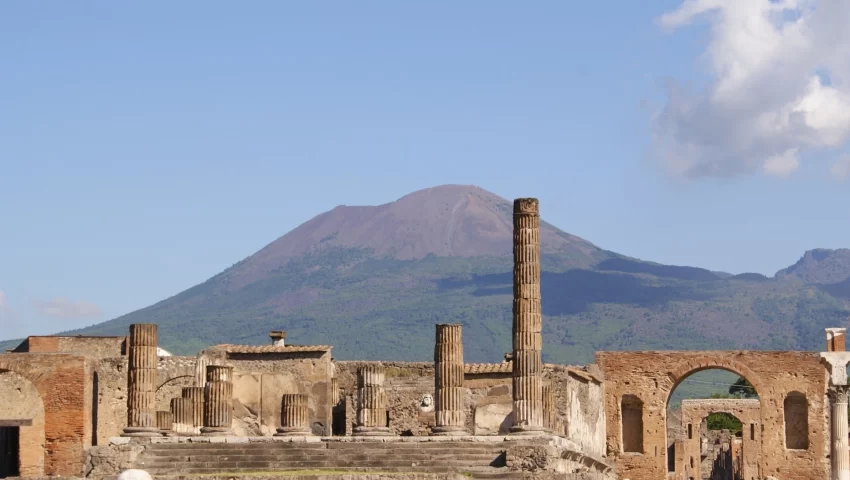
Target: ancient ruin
(91, 407)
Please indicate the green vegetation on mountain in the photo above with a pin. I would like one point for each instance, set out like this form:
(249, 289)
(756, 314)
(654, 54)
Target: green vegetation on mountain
(443, 255)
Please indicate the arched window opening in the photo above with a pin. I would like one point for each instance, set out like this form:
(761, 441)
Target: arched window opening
(796, 421)
(632, 424)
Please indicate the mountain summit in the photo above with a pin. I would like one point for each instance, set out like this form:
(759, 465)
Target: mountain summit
(373, 280)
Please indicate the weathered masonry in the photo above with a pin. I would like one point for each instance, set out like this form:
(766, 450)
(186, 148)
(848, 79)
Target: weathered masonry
(92, 406)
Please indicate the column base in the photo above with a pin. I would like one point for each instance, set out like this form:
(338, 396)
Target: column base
(216, 431)
(371, 431)
(142, 432)
(527, 430)
(449, 430)
(293, 432)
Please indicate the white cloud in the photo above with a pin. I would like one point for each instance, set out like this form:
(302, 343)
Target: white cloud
(64, 308)
(841, 168)
(780, 87)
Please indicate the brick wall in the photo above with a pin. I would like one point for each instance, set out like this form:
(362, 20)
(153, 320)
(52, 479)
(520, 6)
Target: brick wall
(652, 376)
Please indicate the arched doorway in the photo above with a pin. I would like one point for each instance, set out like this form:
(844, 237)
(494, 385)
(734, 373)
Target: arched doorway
(21, 427)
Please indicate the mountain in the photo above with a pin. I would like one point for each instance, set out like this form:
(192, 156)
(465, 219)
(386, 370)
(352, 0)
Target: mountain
(820, 266)
(373, 281)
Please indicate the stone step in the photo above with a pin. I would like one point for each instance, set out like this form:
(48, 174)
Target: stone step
(483, 472)
(202, 455)
(288, 452)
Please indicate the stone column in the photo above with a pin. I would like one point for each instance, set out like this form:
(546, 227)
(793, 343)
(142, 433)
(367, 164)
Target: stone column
(334, 392)
(141, 381)
(195, 395)
(294, 416)
(835, 339)
(371, 402)
(183, 414)
(840, 451)
(218, 401)
(164, 422)
(449, 413)
(201, 370)
(527, 320)
(550, 411)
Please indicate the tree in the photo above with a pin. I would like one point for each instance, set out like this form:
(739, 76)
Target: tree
(742, 388)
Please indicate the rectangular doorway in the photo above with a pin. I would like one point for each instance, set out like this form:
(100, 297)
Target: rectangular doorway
(10, 452)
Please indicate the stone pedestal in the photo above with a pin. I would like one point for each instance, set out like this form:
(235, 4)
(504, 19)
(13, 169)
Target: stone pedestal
(527, 320)
(371, 402)
(218, 401)
(838, 396)
(141, 381)
(195, 396)
(294, 415)
(183, 416)
(449, 413)
(165, 422)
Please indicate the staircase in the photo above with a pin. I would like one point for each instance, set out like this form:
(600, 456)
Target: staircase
(220, 458)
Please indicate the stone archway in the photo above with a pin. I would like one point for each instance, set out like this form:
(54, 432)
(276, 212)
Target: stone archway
(652, 376)
(22, 413)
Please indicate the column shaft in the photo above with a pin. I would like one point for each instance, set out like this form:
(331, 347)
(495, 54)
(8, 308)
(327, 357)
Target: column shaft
(141, 381)
(371, 402)
(218, 401)
(527, 320)
(164, 421)
(183, 414)
(195, 395)
(294, 415)
(840, 448)
(450, 413)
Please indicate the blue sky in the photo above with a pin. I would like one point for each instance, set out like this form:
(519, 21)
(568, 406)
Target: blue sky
(146, 147)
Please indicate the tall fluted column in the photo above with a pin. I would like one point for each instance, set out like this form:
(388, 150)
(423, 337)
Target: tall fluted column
(449, 411)
(141, 381)
(371, 402)
(218, 401)
(527, 320)
(840, 450)
(334, 392)
(294, 415)
(195, 395)
(201, 364)
(183, 414)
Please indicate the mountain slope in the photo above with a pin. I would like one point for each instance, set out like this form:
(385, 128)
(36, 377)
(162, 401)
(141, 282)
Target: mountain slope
(820, 266)
(373, 281)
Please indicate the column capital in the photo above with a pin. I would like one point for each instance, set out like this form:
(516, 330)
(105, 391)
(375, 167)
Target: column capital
(838, 394)
(837, 364)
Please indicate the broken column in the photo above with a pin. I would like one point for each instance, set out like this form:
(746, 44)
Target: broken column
(141, 381)
(201, 370)
(195, 395)
(449, 411)
(551, 421)
(183, 415)
(371, 402)
(835, 340)
(527, 320)
(278, 338)
(218, 401)
(838, 396)
(164, 422)
(294, 415)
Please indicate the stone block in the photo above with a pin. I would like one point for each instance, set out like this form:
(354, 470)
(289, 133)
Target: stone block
(493, 419)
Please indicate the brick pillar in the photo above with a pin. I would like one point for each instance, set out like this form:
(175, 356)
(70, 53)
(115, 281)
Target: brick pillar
(195, 395)
(218, 401)
(835, 339)
(141, 381)
(449, 411)
(164, 422)
(294, 415)
(840, 450)
(371, 402)
(183, 414)
(527, 320)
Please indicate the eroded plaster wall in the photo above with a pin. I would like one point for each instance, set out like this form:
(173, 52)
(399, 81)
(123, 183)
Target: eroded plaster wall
(652, 376)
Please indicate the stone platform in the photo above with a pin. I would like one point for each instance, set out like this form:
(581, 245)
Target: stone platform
(435, 457)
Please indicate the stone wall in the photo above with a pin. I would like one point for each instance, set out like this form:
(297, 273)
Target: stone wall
(21, 401)
(694, 428)
(579, 397)
(97, 347)
(652, 376)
